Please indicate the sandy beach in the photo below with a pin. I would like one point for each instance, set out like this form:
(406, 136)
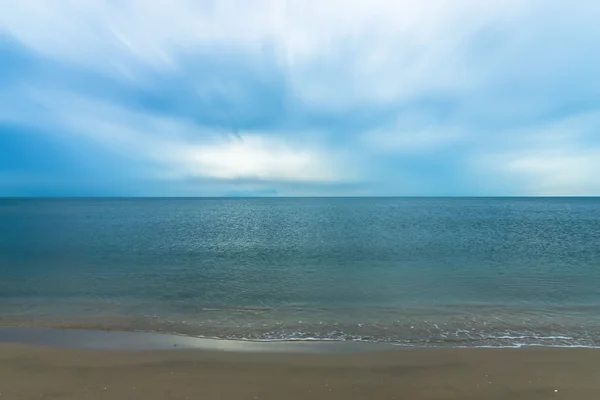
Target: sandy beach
(34, 372)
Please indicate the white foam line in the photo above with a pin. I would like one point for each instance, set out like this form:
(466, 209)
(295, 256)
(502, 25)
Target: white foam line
(530, 337)
(315, 339)
(405, 344)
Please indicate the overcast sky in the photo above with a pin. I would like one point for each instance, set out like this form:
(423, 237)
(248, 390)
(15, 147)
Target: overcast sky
(299, 97)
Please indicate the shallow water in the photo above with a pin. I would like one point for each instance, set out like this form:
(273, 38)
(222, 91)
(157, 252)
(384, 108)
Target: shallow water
(443, 272)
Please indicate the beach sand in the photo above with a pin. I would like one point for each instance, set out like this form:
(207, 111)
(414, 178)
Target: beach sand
(30, 372)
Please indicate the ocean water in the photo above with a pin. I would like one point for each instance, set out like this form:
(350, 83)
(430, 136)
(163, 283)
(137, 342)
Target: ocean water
(407, 271)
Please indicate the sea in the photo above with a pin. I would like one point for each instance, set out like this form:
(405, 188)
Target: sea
(441, 272)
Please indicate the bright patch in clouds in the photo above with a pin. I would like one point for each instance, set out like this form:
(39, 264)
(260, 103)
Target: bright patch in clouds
(307, 97)
(558, 159)
(186, 151)
(558, 174)
(255, 157)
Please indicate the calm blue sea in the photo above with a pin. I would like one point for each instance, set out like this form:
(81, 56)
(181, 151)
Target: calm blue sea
(411, 271)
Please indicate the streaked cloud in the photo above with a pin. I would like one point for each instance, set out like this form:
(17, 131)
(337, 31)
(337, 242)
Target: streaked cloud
(560, 158)
(303, 97)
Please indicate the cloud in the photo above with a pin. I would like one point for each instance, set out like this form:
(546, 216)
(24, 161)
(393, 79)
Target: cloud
(415, 132)
(563, 173)
(561, 158)
(570, 172)
(379, 97)
(334, 54)
(181, 150)
(260, 158)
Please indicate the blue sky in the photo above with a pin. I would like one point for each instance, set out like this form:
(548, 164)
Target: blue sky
(299, 98)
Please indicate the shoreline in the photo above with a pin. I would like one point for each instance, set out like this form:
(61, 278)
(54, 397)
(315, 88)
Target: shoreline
(118, 339)
(398, 326)
(94, 339)
(96, 372)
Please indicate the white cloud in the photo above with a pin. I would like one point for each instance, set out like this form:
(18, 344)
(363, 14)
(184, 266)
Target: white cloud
(258, 157)
(557, 159)
(561, 173)
(510, 62)
(335, 52)
(181, 150)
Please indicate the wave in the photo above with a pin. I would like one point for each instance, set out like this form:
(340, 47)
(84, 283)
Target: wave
(489, 341)
(490, 327)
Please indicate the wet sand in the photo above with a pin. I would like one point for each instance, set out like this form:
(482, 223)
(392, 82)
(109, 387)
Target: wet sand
(32, 372)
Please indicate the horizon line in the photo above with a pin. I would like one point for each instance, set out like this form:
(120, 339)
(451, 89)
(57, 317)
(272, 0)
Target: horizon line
(295, 197)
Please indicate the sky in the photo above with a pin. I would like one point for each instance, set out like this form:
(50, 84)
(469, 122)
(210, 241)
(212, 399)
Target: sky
(299, 98)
